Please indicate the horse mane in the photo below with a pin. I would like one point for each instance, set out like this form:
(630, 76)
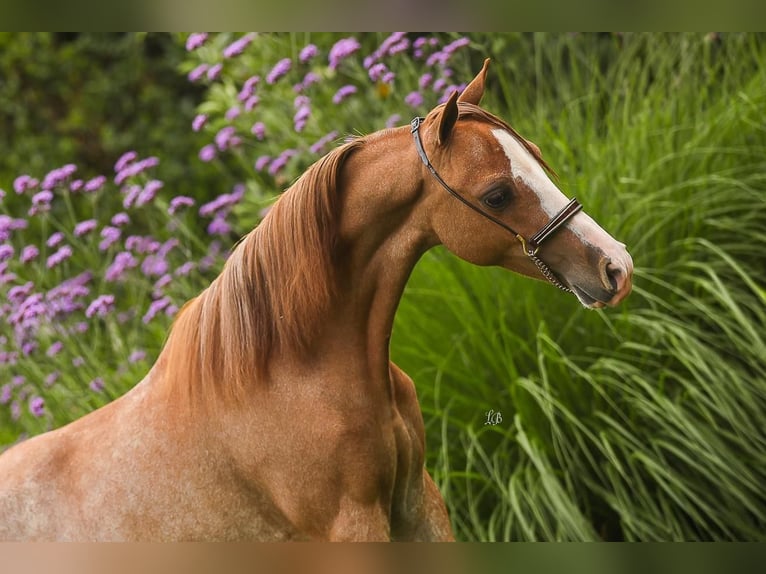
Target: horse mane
(270, 295)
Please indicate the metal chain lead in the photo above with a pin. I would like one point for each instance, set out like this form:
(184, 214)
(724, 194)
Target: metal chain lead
(547, 273)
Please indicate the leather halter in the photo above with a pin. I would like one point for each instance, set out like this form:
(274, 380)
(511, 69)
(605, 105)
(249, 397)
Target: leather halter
(531, 245)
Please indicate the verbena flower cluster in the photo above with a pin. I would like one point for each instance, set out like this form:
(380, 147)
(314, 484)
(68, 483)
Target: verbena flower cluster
(366, 78)
(71, 286)
(93, 268)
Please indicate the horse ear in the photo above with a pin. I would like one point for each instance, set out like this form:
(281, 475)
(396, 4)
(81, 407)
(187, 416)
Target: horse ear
(448, 118)
(475, 90)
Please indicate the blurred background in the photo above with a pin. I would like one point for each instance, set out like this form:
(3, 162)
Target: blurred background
(131, 163)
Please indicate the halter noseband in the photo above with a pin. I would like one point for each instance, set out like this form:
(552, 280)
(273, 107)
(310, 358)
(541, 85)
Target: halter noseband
(531, 245)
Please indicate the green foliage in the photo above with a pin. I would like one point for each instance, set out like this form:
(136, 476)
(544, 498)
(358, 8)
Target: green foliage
(644, 422)
(88, 98)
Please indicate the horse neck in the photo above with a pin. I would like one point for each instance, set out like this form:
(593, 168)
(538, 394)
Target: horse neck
(383, 233)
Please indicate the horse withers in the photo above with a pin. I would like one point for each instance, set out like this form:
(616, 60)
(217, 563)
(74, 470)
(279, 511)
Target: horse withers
(274, 412)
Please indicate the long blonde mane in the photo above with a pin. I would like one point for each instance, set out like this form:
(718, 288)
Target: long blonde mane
(270, 296)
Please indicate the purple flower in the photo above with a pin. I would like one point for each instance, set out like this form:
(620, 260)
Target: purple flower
(154, 266)
(76, 185)
(54, 177)
(341, 50)
(163, 281)
(301, 117)
(155, 307)
(218, 227)
(130, 195)
(238, 46)
(2, 194)
(85, 227)
(319, 145)
(207, 153)
(414, 99)
(343, 93)
(122, 261)
(251, 102)
(279, 70)
(125, 159)
(307, 53)
(258, 130)
(262, 162)
(62, 254)
(54, 349)
(135, 169)
(195, 40)
(248, 88)
(376, 71)
(42, 198)
(22, 183)
(120, 219)
(96, 385)
(439, 84)
(110, 235)
(214, 71)
(37, 406)
(280, 161)
(78, 362)
(393, 121)
(19, 293)
(148, 192)
(184, 269)
(179, 202)
(168, 246)
(94, 184)
(198, 122)
(223, 137)
(197, 73)
(232, 113)
(449, 90)
(308, 80)
(137, 356)
(55, 239)
(6, 252)
(6, 393)
(142, 244)
(222, 203)
(100, 306)
(6, 277)
(387, 48)
(51, 378)
(28, 347)
(425, 81)
(399, 46)
(455, 45)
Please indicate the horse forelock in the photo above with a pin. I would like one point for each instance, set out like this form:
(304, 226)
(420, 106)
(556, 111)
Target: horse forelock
(270, 297)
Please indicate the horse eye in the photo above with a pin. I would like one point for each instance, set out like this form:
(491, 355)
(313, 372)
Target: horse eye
(497, 198)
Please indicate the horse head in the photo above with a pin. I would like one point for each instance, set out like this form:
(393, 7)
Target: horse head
(518, 218)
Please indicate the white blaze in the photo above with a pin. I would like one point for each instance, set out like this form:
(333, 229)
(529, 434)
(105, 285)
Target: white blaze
(525, 168)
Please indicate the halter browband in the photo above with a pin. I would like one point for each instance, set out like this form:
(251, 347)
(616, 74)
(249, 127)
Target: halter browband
(530, 246)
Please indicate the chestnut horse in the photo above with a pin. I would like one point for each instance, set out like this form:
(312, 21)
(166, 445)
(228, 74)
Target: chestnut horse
(273, 412)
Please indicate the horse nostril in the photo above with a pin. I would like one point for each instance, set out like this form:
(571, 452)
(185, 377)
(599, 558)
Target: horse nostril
(613, 275)
(610, 275)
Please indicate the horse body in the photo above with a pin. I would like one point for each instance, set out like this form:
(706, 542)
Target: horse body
(274, 412)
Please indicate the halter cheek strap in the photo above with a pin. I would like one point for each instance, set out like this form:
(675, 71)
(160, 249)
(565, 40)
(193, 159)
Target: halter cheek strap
(531, 245)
